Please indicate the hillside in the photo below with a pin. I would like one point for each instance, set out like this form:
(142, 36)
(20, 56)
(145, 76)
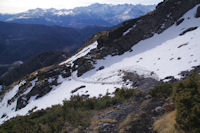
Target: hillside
(15, 72)
(95, 14)
(122, 81)
(22, 41)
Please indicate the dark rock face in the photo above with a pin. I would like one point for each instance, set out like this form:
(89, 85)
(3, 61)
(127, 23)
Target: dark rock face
(198, 12)
(21, 90)
(39, 90)
(82, 65)
(42, 86)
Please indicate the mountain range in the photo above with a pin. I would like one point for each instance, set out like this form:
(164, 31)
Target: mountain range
(95, 14)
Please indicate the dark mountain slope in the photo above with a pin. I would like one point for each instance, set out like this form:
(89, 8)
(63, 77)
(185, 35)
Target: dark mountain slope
(22, 41)
(36, 62)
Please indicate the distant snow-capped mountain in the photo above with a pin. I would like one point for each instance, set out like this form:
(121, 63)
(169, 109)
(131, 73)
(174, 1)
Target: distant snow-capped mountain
(95, 14)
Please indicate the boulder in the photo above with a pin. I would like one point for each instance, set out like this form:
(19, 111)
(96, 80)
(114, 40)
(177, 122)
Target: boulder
(188, 30)
(179, 21)
(159, 109)
(198, 12)
(100, 68)
(75, 90)
(21, 102)
(82, 65)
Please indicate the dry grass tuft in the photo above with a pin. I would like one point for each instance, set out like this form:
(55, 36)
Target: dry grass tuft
(107, 120)
(126, 124)
(166, 124)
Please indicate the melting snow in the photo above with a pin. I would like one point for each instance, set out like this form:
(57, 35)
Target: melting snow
(5, 108)
(157, 57)
(126, 32)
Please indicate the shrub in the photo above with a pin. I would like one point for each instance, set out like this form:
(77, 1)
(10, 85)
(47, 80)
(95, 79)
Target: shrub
(125, 93)
(187, 98)
(162, 91)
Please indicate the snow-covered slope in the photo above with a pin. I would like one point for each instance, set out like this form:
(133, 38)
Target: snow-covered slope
(165, 54)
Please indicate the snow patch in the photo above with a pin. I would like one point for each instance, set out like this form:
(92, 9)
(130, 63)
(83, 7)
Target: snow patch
(80, 54)
(126, 32)
(63, 13)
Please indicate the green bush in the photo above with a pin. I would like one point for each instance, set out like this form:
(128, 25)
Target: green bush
(187, 98)
(162, 91)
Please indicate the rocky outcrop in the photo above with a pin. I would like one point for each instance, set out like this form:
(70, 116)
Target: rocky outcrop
(140, 82)
(198, 12)
(188, 73)
(40, 89)
(82, 65)
(46, 80)
(188, 30)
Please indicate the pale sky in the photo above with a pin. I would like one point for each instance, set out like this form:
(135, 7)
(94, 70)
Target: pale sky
(15, 6)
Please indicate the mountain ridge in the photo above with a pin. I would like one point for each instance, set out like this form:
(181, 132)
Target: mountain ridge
(95, 14)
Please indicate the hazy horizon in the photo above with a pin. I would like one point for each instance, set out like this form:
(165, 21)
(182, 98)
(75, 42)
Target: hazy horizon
(11, 6)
